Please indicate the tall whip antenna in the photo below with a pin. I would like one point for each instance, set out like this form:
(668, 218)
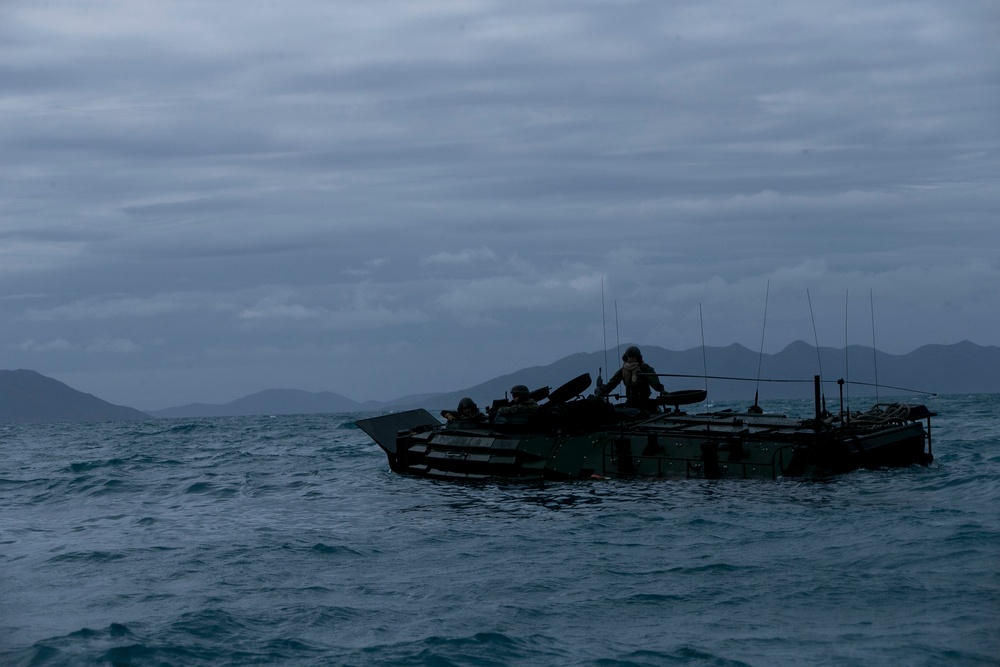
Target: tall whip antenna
(604, 330)
(704, 356)
(847, 357)
(618, 334)
(819, 359)
(871, 295)
(760, 357)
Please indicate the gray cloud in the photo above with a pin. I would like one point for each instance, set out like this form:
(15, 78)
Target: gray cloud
(201, 202)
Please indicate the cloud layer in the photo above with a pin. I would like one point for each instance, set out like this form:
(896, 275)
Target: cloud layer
(201, 199)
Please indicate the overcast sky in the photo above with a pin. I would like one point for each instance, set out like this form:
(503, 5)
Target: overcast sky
(203, 199)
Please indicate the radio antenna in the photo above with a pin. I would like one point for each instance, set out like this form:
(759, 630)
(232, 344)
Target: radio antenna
(847, 357)
(760, 357)
(618, 334)
(604, 330)
(819, 358)
(704, 356)
(871, 296)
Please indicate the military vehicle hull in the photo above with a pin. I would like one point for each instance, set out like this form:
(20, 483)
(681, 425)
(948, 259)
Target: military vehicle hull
(587, 438)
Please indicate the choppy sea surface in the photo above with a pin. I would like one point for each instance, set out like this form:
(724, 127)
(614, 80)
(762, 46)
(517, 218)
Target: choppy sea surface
(287, 540)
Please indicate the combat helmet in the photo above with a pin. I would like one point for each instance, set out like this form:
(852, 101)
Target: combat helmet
(519, 391)
(467, 404)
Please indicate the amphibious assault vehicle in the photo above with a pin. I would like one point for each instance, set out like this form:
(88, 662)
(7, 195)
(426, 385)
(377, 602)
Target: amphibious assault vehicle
(571, 436)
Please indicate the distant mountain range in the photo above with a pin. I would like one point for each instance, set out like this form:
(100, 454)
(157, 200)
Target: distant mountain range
(734, 373)
(943, 369)
(962, 368)
(29, 397)
(267, 402)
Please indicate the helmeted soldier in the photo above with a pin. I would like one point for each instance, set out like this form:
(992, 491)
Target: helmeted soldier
(638, 378)
(467, 413)
(521, 405)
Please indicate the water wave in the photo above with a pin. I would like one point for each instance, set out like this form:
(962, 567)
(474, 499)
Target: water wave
(287, 540)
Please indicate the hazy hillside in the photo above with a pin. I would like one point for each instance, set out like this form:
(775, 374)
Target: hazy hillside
(734, 373)
(29, 397)
(267, 402)
(942, 369)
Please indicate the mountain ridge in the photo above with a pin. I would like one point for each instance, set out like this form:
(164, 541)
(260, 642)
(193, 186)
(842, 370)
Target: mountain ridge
(971, 368)
(28, 397)
(734, 373)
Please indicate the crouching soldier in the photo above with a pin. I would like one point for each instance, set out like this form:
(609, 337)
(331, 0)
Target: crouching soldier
(467, 414)
(520, 408)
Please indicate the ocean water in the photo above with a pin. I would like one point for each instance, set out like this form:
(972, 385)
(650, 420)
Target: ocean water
(287, 540)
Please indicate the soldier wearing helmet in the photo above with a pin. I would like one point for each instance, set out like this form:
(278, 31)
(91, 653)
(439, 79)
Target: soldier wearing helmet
(520, 407)
(638, 378)
(519, 392)
(467, 413)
